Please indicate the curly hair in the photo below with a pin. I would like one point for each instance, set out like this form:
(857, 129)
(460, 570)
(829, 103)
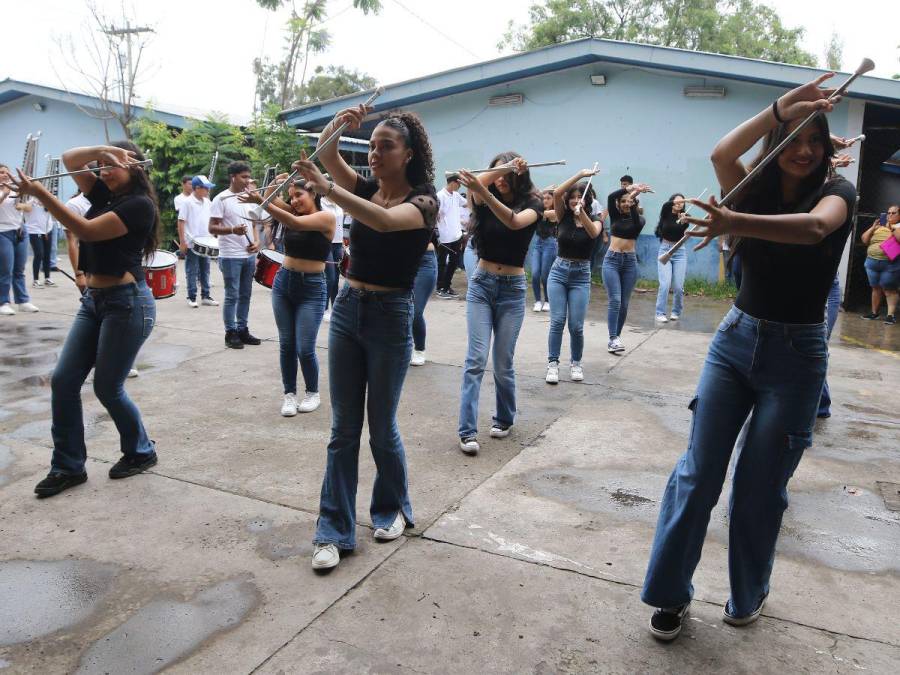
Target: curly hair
(420, 170)
(579, 188)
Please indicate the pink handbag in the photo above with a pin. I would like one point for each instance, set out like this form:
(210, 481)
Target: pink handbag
(891, 247)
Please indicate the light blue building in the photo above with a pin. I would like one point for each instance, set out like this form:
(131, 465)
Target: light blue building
(651, 112)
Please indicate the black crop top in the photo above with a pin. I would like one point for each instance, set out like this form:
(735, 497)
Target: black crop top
(545, 228)
(390, 258)
(123, 254)
(789, 283)
(668, 228)
(306, 244)
(574, 242)
(497, 243)
(623, 225)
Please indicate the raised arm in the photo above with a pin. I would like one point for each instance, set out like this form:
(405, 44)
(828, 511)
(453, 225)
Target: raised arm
(559, 194)
(320, 221)
(341, 172)
(76, 159)
(592, 227)
(504, 213)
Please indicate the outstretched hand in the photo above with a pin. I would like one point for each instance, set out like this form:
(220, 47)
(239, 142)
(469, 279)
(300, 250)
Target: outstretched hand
(807, 99)
(719, 219)
(315, 179)
(24, 185)
(471, 182)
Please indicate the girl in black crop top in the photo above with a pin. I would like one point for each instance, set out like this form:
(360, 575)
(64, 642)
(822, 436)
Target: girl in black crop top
(670, 229)
(117, 310)
(370, 342)
(766, 364)
(299, 289)
(506, 207)
(570, 277)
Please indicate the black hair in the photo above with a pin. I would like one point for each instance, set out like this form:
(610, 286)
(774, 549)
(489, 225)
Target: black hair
(626, 179)
(579, 187)
(141, 185)
(185, 179)
(665, 213)
(520, 184)
(234, 168)
(300, 184)
(452, 177)
(420, 169)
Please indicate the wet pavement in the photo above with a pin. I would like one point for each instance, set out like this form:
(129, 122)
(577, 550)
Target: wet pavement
(526, 558)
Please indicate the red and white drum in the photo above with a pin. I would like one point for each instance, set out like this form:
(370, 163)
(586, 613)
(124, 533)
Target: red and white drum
(159, 271)
(345, 259)
(267, 265)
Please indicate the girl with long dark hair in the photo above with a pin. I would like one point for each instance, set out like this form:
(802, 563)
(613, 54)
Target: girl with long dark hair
(505, 208)
(544, 253)
(370, 342)
(117, 311)
(569, 284)
(670, 229)
(766, 361)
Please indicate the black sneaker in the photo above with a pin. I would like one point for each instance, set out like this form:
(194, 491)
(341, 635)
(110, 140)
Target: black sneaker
(665, 624)
(872, 316)
(732, 620)
(890, 319)
(131, 466)
(245, 337)
(233, 340)
(56, 482)
(441, 293)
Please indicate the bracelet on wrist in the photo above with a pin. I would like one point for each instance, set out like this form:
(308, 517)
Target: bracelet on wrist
(778, 117)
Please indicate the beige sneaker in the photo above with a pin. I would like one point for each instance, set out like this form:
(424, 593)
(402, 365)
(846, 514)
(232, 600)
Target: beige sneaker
(27, 307)
(325, 556)
(394, 531)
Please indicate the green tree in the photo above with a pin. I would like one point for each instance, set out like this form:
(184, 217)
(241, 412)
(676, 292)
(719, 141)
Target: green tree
(332, 82)
(278, 82)
(735, 27)
(834, 52)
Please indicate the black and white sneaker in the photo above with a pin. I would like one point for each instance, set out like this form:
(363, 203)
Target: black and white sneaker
(665, 624)
(500, 430)
(732, 620)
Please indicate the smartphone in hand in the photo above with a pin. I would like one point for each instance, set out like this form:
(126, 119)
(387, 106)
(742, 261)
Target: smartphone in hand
(883, 219)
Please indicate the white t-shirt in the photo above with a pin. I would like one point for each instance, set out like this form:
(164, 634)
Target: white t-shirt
(78, 205)
(37, 221)
(328, 205)
(449, 220)
(195, 214)
(10, 218)
(231, 211)
(179, 200)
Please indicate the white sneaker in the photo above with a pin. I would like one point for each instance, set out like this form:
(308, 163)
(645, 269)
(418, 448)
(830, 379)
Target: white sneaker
(37, 283)
(49, 282)
(545, 307)
(192, 303)
(325, 556)
(469, 445)
(674, 317)
(500, 432)
(327, 316)
(289, 406)
(309, 403)
(552, 373)
(661, 318)
(209, 302)
(133, 373)
(615, 346)
(576, 372)
(418, 358)
(537, 306)
(395, 531)
(27, 307)
(6, 309)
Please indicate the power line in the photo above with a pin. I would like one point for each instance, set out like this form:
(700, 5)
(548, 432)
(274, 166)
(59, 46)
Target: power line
(436, 29)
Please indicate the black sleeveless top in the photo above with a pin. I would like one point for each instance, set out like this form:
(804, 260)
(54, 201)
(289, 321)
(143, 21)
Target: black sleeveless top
(122, 254)
(545, 229)
(497, 243)
(574, 241)
(307, 245)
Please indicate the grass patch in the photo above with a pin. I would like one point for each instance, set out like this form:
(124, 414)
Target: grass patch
(719, 290)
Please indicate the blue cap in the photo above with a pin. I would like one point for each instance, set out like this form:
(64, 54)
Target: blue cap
(201, 181)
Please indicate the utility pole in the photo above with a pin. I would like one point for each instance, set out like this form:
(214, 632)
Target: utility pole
(128, 69)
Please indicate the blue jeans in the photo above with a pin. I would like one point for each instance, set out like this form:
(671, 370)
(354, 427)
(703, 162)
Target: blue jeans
(106, 335)
(470, 260)
(597, 253)
(541, 260)
(298, 302)
(54, 243)
(569, 290)
(775, 370)
(333, 271)
(369, 347)
(423, 286)
(494, 304)
(238, 276)
(832, 307)
(13, 255)
(619, 277)
(40, 247)
(194, 266)
(672, 273)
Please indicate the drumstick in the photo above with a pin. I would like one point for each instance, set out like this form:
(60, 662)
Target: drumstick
(590, 180)
(727, 200)
(560, 162)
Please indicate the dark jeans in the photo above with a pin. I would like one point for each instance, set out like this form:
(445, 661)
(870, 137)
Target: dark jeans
(13, 254)
(423, 286)
(619, 277)
(447, 262)
(106, 335)
(369, 347)
(774, 373)
(333, 271)
(298, 301)
(40, 245)
(196, 266)
(238, 276)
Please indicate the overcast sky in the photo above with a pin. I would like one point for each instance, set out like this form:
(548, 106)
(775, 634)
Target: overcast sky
(201, 54)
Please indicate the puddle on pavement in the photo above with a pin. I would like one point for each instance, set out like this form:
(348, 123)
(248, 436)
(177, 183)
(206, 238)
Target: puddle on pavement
(282, 541)
(38, 598)
(598, 491)
(6, 458)
(163, 632)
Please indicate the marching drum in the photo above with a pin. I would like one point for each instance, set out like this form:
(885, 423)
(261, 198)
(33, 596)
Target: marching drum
(267, 265)
(160, 273)
(345, 259)
(208, 247)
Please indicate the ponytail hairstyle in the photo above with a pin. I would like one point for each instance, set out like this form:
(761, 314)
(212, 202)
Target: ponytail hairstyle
(420, 169)
(141, 185)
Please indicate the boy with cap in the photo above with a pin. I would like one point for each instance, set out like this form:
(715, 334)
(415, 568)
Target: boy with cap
(193, 222)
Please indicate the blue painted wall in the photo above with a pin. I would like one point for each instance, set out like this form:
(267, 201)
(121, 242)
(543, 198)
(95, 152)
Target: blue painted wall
(639, 123)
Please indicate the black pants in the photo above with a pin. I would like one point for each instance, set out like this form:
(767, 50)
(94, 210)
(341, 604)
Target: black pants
(40, 244)
(448, 260)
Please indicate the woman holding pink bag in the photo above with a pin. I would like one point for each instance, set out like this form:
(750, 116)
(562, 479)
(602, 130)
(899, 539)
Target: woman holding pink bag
(883, 263)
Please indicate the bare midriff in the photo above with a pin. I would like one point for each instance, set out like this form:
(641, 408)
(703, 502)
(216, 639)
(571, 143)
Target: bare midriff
(499, 269)
(107, 280)
(619, 245)
(303, 265)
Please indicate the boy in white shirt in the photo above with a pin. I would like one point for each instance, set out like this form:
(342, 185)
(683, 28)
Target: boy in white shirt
(37, 226)
(186, 190)
(238, 245)
(193, 222)
(450, 231)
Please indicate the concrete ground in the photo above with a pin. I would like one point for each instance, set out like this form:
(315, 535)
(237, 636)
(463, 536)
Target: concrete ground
(526, 558)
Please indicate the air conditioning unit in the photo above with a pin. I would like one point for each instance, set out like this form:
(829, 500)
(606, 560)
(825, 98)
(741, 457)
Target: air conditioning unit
(704, 92)
(507, 99)
(598, 80)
